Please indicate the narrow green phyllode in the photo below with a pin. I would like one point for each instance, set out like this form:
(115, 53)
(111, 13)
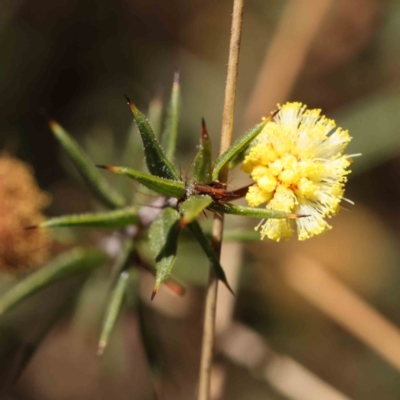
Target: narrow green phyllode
(68, 264)
(163, 236)
(111, 219)
(239, 146)
(96, 182)
(197, 232)
(193, 207)
(166, 187)
(170, 133)
(112, 312)
(252, 212)
(156, 160)
(202, 165)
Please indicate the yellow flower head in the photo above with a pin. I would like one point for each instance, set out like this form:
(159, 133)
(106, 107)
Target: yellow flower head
(298, 166)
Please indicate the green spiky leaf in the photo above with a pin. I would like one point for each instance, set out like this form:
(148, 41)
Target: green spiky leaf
(156, 160)
(239, 146)
(96, 182)
(163, 236)
(170, 133)
(193, 207)
(197, 232)
(226, 208)
(202, 165)
(111, 219)
(166, 187)
(238, 158)
(112, 311)
(73, 262)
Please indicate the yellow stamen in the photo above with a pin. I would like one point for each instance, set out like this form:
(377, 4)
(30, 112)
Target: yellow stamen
(298, 167)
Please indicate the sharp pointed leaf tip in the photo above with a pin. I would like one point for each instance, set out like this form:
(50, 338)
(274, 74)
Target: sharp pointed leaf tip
(274, 113)
(100, 348)
(155, 290)
(296, 216)
(52, 123)
(108, 168)
(27, 228)
(204, 133)
(176, 76)
(130, 103)
(271, 116)
(128, 100)
(229, 287)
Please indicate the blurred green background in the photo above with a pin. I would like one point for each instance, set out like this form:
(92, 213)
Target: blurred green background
(74, 59)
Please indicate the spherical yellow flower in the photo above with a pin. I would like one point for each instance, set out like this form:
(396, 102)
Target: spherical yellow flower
(298, 166)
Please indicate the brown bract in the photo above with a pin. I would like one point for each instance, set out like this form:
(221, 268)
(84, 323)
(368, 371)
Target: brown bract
(21, 205)
(218, 192)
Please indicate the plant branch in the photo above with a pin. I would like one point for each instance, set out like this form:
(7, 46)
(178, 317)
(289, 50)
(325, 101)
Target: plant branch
(226, 139)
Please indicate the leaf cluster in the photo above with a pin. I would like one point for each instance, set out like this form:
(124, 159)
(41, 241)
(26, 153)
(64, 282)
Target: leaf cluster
(158, 223)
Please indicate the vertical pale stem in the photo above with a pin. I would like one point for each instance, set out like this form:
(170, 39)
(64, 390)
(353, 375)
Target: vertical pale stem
(231, 80)
(226, 138)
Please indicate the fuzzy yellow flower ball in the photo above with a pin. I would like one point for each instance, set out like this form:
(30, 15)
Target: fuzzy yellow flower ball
(298, 166)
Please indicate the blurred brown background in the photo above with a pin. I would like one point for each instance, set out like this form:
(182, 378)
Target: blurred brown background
(331, 304)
